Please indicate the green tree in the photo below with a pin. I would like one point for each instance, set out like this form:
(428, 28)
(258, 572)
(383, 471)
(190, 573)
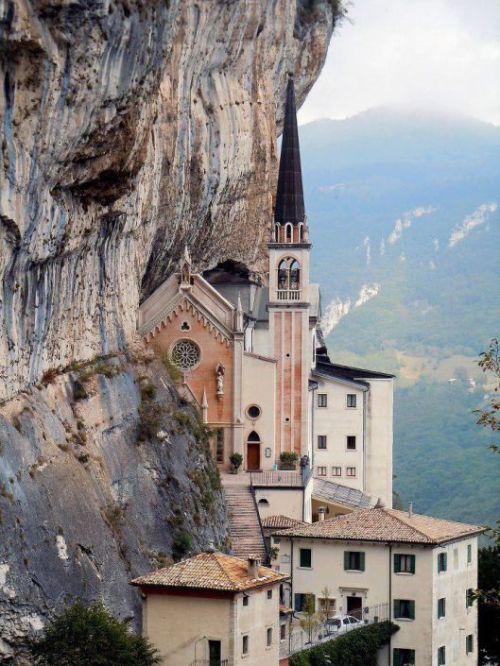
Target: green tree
(310, 621)
(488, 594)
(81, 635)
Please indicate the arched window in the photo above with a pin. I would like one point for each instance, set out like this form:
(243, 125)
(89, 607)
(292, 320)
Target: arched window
(289, 274)
(301, 232)
(288, 230)
(263, 503)
(277, 233)
(253, 437)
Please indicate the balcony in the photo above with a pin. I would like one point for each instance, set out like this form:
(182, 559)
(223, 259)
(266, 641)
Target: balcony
(210, 662)
(288, 294)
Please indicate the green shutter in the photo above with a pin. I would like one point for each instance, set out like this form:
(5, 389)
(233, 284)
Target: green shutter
(396, 608)
(412, 610)
(395, 657)
(397, 563)
(412, 564)
(445, 561)
(346, 560)
(361, 561)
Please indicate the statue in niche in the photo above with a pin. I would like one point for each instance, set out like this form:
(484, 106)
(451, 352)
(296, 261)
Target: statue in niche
(219, 379)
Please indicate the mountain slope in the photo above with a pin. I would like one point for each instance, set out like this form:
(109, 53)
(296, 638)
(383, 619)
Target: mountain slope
(404, 211)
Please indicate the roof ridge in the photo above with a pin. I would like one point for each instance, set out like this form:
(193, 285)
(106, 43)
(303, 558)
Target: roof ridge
(218, 557)
(398, 518)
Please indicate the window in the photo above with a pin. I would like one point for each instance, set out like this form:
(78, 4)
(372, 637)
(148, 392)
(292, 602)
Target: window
(254, 411)
(269, 636)
(288, 273)
(336, 471)
(442, 656)
(322, 399)
(245, 644)
(185, 354)
(441, 607)
(269, 594)
(469, 597)
(351, 443)
(305, 558)
(263, 503)
(469, 644)
(282, 631)
(350, 471)
(469, 554)
(321, 471)
(442, 562)
(404, 609)
(219, 445)
(404, 564)
(321, 441)
(351, 400)
(403, 657)
(354, 560)
(245, 600)
(300, 601)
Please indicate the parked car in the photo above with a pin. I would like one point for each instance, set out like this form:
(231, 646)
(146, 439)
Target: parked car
(340, 623)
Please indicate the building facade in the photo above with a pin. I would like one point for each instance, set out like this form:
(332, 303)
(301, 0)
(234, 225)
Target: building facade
(381, 564)
(213, 609)
(246, 350)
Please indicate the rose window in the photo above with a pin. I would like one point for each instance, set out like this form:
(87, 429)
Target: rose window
(185, 354)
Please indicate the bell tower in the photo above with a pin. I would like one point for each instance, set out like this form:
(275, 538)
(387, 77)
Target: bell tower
(289, 305)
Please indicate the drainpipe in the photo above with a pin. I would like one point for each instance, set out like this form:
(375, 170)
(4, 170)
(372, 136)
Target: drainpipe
(364, 441)
(389, 661)
(291, 574)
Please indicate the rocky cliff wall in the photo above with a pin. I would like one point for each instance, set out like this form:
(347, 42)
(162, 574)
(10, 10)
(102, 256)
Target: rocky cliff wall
(128, 129)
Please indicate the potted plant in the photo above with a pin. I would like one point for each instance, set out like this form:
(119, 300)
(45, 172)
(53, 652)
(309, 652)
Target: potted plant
(235, 459)
(288, 460)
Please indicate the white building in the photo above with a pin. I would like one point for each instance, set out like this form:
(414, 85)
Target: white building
(214, 609)
(250, 358)
(385, 564)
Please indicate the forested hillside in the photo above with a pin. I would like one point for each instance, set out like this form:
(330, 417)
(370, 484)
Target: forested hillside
(405, 219)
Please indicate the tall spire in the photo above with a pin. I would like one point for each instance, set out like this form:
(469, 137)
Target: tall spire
(290, 196)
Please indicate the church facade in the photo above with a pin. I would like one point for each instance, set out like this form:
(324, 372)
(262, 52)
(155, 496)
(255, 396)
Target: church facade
(251, 357)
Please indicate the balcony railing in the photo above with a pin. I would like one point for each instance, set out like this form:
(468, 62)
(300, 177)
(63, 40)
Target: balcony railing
(210, 662)
(288, 294)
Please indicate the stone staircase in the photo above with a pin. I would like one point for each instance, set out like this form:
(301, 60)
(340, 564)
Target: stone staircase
(244, 528)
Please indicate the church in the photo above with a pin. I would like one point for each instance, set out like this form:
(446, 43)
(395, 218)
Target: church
(251, 358)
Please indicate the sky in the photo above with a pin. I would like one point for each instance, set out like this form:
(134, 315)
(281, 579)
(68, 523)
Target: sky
(425, 54)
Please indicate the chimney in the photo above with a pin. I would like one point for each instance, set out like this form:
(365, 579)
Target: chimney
(253, 566)
(321, 513)
(410, 510)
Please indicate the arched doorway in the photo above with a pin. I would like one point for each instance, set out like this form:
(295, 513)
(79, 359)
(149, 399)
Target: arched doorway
(253, 452)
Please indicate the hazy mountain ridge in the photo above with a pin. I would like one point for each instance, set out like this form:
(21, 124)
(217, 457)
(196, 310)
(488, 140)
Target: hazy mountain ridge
(405, 207)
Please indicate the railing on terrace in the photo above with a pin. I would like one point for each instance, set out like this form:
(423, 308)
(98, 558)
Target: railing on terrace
(210, 662)
(288, 294)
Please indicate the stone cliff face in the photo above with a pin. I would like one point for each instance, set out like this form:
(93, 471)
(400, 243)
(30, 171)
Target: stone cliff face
(128, 129)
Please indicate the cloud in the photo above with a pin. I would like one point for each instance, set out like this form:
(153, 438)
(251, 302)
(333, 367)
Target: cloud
(478, 217)
(434, 54)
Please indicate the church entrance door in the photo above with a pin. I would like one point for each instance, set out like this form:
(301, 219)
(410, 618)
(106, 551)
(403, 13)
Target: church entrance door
(253, 457)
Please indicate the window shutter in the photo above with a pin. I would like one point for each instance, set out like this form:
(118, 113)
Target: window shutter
(362, 561)
(396, 658)
(346, 560)
(396, 607)
(412, 610)
(397, 563)
(412, 564)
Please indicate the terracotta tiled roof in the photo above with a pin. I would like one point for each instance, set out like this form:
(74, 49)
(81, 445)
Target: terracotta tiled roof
(281, 522)
(210, 571)
(385, 525)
